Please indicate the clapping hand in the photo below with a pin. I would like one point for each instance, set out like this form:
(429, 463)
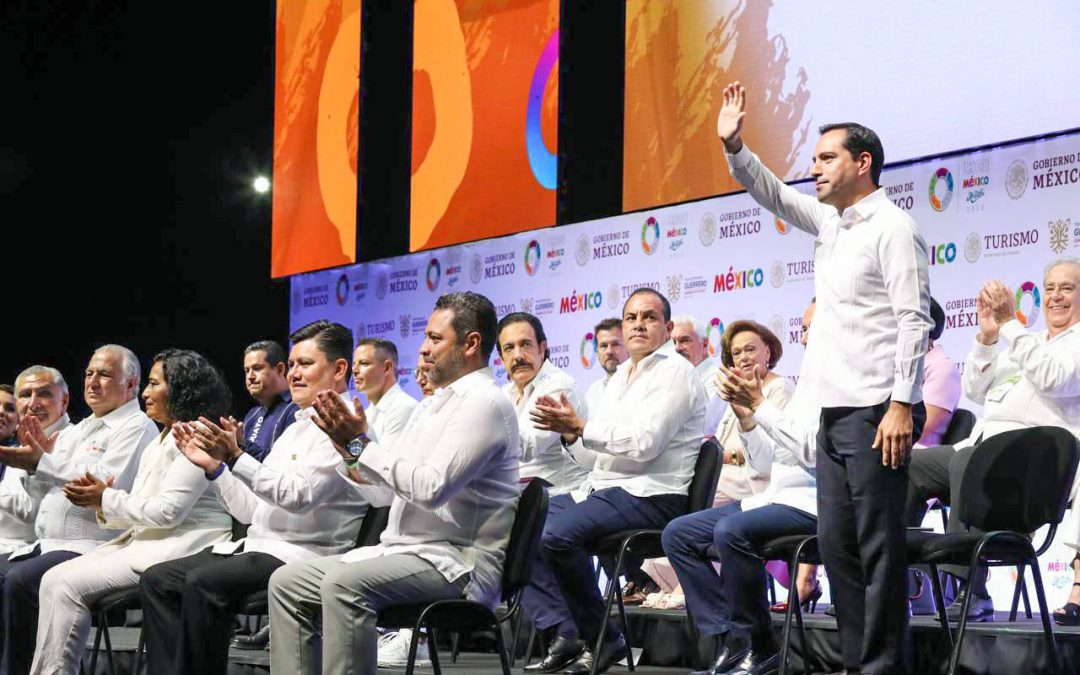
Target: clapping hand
(994, 305)
(558, 415)
(86, 491)
(730, 120)
(337, 421)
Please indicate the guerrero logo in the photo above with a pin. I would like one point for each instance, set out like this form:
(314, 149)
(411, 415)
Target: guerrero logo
(1028, 289)
(342, 289)
(941, 182)
(1059, 234)
(650, 236)
(588, 350)
(532, 257)
(434, 274)
(715, 328)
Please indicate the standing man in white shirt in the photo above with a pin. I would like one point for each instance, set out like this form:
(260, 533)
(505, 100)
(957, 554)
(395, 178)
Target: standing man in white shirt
(295, 502)
(108, 444)
(1022, 379)
(375, 375)
(872, 321)
(610, 352)
(453, 477)
(689, 338)
(646, 433)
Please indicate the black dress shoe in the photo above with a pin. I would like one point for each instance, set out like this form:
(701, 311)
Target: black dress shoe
(260, 639)
(758, 663)
(726, 660)
(981, 609)
(610, 652)
(563, 652)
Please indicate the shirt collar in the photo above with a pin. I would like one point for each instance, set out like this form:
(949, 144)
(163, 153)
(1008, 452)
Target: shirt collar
(1075, 328)
(664, 351)
(864, 208)
(477, 378)
(707, 364)
(118, 416)
(387, 398)
(309, 412)
(58, 425)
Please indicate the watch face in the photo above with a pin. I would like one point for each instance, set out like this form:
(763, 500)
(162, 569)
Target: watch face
(355, 447)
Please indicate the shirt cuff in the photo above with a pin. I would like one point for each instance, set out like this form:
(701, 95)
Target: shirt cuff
(740, 158)
(46, 469)
(374, 463)
(903, 392)
(245, 468)
(1011, 330)
(108, 503)
(981, 355)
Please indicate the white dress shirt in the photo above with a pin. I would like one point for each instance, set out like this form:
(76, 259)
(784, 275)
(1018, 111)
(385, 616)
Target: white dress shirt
(171, 512)
(743, 481)
(714, 405)
(454, 475)
(784, 441)
(106, 447)
(387, 418)
(593, 395)
(646, 431)
(18, 507)
(542, 452)
(297, 505)
(872, 286)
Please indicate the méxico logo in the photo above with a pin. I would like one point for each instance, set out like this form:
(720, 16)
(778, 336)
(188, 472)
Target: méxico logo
(588, 350)
(434, 273)
(941, 189)
(716, 326)
(650, 236)
(1028, 289)
(532, 257)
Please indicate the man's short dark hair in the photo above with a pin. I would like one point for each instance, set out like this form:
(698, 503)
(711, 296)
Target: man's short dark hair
(473, 313)
(608, 324)
(937, 315)
(331, 338)
(7, 389)
(384, 349)
(651, 291)
(274, 352)
(525, 317)
(196, 387)
(859, 139)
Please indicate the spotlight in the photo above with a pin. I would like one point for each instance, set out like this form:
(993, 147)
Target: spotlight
(261, 185)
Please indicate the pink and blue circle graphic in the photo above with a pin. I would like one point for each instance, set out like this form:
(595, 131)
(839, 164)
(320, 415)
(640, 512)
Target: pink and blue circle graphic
(1028, 288)
(542, 162)
(715, 326)
(434, 273)
(342, 289)
(650, 236)
(944, 177)
(588, 350)
(532, 257)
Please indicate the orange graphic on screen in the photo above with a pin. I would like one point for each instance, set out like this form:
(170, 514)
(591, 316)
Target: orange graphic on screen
(679, 56)
(316, 116)
(485, 110)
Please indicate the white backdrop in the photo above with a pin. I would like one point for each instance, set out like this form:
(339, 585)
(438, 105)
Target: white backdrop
(1001, 213)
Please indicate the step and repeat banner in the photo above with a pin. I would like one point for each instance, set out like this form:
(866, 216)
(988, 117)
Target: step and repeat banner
(1003, 213)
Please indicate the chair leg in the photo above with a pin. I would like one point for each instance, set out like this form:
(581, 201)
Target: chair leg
(97, 645)
(108, 650)
(625, 627)
(609, 599)
(976, 565)
(517, 638)
(455, 639)
(939, 602)
(410, 664)
(1027, 600)
(1044, 613)
(529, 647)
(433, 650)
(772, 589)
(501, 646)
(1017, 590)
(139, 651)
(785, 644)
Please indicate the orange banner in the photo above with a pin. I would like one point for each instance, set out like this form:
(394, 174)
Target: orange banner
(316, 117)
(484, 124)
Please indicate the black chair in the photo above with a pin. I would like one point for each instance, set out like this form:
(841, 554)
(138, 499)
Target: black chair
(794, 549)
(646, 543)
(459, 615)
(1015, 483)
(117, 601)
(960, 427)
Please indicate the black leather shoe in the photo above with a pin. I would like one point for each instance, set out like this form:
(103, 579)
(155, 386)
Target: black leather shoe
(831, 611)
(563, 652)
(610, 652)
(758, 663)
(726, 660)
(981, 609)
(260, 639)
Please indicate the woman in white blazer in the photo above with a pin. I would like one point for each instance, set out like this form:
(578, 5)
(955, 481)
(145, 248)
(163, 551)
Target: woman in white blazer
(172, 511)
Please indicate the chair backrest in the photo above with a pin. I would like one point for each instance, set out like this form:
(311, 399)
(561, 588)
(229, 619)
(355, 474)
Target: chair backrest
(524, 543)
(706, 473)
(1019, 480)
(372, 526)
(960, 426)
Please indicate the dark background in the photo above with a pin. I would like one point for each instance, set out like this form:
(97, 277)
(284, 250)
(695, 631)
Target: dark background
(132, 132)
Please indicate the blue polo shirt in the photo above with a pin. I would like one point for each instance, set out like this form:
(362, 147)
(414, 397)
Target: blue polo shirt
(263, 426)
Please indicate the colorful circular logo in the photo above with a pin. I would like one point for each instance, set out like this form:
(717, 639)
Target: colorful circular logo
(941, 180)
(343, 289)
(650, 236)
(434, 273)
(543, 162)
(532, 257)
(588, 350)
(715, 326)
(1028, 288)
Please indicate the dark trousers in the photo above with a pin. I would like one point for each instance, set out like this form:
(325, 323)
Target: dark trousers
(564, 551)
(861, 534)
(935, 473)
(20, 581)
(689, 542)
(189, 608)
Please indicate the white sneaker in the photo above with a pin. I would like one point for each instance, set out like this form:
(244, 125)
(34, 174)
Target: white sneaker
(394, 650)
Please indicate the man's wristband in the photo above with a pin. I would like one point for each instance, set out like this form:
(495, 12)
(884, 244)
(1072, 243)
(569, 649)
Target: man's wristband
(231, 460)
(220, 470)
(352, 464)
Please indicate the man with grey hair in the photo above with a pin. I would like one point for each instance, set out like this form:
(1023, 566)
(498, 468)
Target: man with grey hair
(107, 445)
(689, 336)
(1022, 379)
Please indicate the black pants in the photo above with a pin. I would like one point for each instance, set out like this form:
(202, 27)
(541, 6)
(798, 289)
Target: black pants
(19, 583)
(861, 534)
(189, 606)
